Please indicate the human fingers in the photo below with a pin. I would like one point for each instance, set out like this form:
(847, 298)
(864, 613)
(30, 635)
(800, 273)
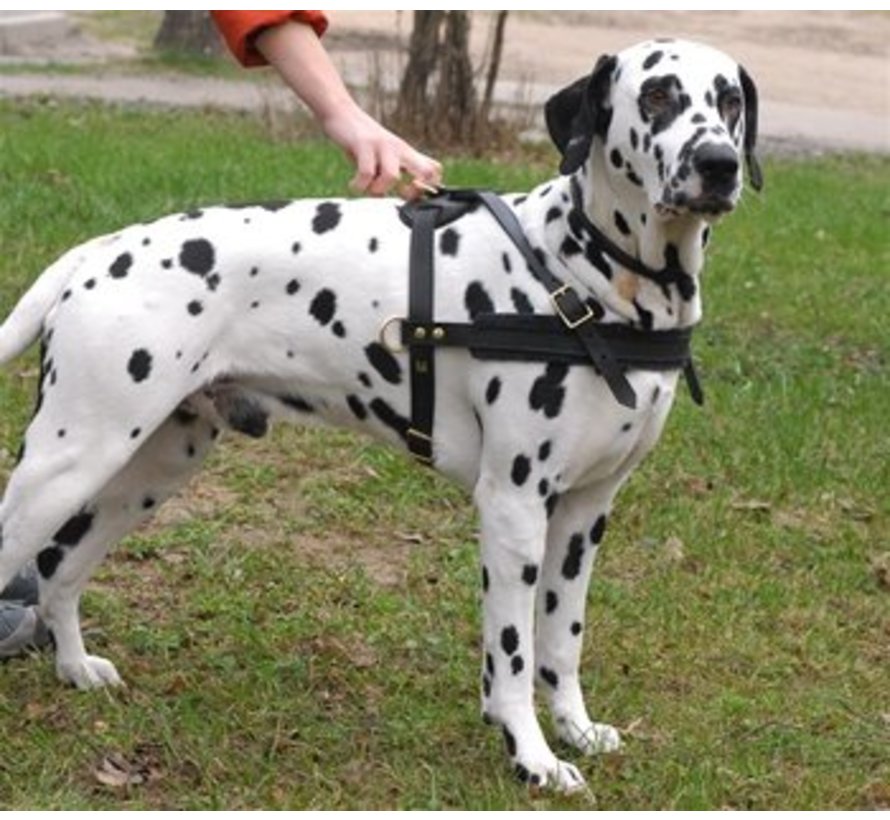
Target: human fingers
(388, 171)
(365, 159)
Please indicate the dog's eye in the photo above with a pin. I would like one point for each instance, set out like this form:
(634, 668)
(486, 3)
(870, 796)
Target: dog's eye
(657, 97)
(731, 107)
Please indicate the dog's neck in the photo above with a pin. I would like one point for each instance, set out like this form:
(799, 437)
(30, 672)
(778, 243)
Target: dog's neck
(628, 221)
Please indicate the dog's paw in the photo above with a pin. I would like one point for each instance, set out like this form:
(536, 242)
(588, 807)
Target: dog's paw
(590, 739)
(90, 672)
(555, 775)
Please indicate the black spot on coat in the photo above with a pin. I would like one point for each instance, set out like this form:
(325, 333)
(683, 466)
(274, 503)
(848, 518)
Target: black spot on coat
(520, 471)
(571, 567)
(384, 362)
(74, 529)
(357, 407)
(121, 266)
(548, 393)
(509, 742)
(549, 676)
(327, 217)
(493, 390)
(197, 256)
(652, 59)
(449, 242)
(48, 561)
(139, 366)
(521, 301)
(323, 306)
(390, 418)
(598, 530)
(509, 640)
(477, 300)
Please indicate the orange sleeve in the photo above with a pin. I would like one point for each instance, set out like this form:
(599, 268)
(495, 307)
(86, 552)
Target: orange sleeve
(240, 29)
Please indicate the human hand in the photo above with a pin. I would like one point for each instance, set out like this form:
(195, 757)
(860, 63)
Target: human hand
(382, 159)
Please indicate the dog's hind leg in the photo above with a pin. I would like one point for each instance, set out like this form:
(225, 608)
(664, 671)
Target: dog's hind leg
(159, 468)
(575, 533)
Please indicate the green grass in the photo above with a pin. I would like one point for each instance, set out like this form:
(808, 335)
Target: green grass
(300, 629)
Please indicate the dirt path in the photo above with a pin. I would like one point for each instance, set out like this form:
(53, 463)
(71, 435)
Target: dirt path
(824, 77)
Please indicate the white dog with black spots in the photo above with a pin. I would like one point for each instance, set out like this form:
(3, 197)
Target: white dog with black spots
(159, 336)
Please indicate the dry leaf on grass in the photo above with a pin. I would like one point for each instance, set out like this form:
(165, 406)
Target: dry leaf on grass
(753, 505)
(116, 772)
(674, 549)
(880, 565)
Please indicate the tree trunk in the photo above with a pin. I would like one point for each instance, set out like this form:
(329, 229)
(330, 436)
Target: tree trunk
(438, 103)
(455, 104)
(188, 32)
(413, 106)
(494, 65)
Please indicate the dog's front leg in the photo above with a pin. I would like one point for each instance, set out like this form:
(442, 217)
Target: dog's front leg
(574, 538)
(514, 529)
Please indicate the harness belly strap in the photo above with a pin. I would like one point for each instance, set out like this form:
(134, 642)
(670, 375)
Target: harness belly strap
(571, 336)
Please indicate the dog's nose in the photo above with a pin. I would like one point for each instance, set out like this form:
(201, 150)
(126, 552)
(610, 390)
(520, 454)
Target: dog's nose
(717, 164)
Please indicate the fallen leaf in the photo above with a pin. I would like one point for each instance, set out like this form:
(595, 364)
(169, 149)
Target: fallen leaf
(118, 772)
(674, 549)
(751, 505)
(880, 565)
(115, 772)
(857, 512)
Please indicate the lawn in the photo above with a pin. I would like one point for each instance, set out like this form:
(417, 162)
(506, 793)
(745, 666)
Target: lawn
(300, 629)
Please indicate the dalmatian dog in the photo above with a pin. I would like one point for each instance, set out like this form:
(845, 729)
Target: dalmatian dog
(158, 337)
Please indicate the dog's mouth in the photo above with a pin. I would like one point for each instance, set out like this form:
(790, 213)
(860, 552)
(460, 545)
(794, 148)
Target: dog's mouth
(711, 205)
(707, 205)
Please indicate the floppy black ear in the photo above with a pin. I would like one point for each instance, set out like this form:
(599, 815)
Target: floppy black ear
(578, 113)
(750, 92)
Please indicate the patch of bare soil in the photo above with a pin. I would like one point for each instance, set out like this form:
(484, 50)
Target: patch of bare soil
(840, 58)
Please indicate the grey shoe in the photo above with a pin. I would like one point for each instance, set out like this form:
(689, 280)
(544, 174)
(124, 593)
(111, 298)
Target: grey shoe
(20, 629)
(23, 588)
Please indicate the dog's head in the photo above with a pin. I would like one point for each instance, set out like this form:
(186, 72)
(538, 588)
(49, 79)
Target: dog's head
(675, 120)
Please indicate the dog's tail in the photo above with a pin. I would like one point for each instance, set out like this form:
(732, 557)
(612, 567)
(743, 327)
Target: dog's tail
(24, 325)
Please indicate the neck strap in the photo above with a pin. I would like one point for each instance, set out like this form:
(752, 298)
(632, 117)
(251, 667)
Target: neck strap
(668, 275)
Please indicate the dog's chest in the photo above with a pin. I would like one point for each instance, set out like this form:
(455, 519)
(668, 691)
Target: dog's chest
(601, 439)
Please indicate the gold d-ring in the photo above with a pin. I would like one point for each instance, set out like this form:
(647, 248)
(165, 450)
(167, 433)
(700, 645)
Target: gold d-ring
(392, 348)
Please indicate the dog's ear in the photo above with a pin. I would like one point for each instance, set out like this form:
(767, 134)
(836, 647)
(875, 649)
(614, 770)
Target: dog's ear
(750, 92)
(578, 113)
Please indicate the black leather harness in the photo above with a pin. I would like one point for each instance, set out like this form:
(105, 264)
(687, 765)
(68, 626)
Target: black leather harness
(570, 336)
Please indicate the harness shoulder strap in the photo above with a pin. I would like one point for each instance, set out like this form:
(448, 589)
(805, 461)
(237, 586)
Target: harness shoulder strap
(574, 336)
(575, 314)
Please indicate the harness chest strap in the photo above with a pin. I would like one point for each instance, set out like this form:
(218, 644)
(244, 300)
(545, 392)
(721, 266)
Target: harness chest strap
(572, 336)
(420, 309)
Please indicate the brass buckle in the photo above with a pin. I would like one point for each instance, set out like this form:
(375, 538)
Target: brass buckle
(569, 323)
(425, 439)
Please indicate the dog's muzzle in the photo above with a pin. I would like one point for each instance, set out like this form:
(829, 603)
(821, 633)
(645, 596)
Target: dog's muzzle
(713, 180)
(717, 166)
